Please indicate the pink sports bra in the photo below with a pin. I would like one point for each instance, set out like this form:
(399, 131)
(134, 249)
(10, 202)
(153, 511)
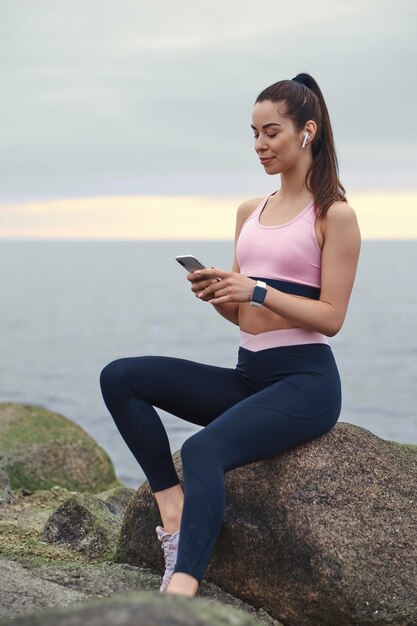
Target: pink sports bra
(287, 257)
(288, 251)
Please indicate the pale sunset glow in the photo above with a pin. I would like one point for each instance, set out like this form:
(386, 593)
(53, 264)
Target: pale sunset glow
(384, 215)
(132, 128)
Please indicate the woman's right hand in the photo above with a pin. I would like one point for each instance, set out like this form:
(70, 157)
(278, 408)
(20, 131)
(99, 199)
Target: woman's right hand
(198, 284)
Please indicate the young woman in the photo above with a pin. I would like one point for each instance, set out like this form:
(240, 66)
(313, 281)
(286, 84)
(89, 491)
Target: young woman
(296, 255)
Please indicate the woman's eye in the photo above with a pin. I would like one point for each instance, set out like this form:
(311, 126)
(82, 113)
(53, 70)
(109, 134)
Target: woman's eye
(274, 135)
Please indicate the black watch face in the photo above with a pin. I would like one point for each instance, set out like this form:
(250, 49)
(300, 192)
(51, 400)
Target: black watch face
(258, 294)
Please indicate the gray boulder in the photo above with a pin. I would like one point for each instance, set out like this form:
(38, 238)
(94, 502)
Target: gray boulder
(323, 535)
(117, 500)
(22, 593)
(88, 523)
(40, 449)
(148, 608)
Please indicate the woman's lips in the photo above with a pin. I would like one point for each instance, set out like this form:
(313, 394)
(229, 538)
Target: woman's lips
(265, 160)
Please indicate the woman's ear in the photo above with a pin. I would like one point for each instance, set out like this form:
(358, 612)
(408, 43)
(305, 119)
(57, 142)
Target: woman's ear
(311, 128)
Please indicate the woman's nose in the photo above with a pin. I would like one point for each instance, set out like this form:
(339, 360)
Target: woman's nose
(260, 145)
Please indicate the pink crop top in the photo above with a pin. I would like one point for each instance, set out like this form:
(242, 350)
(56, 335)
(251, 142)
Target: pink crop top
(287, 257)
(288, 251)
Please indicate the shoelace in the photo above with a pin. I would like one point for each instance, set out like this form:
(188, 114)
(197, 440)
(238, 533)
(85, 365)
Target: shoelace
(170, 552)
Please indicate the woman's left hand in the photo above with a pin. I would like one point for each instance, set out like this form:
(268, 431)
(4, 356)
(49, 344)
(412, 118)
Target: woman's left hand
(232, 286)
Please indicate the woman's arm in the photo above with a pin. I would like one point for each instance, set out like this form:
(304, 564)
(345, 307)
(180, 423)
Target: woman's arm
(229, 310)
(340, 255)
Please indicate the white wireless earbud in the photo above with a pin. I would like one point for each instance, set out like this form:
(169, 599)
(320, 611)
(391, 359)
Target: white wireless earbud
(306, 136)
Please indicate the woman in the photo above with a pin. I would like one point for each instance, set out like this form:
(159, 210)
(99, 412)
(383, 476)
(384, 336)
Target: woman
(296, 255)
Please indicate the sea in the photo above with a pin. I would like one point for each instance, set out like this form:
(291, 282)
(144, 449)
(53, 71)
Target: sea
(67, 308)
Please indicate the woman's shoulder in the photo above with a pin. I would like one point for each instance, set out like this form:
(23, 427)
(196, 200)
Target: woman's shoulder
(244, 211)
(340, 212)
(247, 207)
(340, 218)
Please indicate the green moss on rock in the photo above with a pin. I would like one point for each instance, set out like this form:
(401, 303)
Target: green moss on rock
(84, 523)
(40, 449)
(146, 607)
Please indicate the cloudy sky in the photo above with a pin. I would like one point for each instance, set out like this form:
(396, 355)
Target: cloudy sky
(152, 100)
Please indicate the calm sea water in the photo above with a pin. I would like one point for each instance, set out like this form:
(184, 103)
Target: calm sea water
(68, 308)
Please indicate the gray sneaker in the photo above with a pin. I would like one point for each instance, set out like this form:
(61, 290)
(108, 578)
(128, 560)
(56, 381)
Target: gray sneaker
(169, 544)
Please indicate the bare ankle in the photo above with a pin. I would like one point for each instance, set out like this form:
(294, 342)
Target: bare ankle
(172, 524)
(170, 502)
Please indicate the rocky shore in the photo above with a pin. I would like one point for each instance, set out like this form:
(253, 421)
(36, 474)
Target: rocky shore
(57, 543)
(329, 531)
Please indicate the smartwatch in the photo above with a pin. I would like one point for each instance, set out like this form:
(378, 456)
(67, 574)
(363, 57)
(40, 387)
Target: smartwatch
(258, 294)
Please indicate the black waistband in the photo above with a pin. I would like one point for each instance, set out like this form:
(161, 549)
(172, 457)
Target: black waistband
(297, 289)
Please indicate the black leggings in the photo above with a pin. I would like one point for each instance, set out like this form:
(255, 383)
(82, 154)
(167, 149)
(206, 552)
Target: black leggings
(273, 400)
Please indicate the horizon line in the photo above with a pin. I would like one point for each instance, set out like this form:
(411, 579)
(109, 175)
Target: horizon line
(164, 239)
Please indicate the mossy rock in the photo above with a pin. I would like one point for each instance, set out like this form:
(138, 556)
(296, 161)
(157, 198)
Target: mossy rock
(146, 608)
(117, 500)
(89, 524)
(40, 449)
(84, 523)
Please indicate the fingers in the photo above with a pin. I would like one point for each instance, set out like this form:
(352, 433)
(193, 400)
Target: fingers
(210, 272)
(194, 278)
(199, 286)
(203, 282)
(212, 290)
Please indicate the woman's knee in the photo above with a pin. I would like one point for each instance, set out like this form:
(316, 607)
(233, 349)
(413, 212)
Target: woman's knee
(130, 375)
(198, 450)
(112, 375)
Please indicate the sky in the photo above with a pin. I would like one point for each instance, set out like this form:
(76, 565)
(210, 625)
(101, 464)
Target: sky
(131, 118)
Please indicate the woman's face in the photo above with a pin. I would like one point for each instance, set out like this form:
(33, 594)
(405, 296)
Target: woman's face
(276, 142)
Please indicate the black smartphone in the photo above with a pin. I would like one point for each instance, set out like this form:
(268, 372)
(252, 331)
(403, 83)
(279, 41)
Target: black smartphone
(190, 262)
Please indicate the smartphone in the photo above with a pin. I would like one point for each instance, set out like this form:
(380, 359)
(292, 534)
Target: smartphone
(190, 262)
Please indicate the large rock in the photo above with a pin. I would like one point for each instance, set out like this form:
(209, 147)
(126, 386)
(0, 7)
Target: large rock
(23, 593)
(324, 534)
(40, 449)
(89, 524)
(148, 608)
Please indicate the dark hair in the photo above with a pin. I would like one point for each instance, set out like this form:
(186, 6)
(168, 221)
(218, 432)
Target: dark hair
(304, 101)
